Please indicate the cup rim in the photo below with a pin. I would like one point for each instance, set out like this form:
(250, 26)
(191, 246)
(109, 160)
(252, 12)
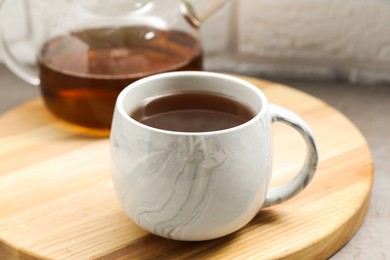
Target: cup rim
(119, 106)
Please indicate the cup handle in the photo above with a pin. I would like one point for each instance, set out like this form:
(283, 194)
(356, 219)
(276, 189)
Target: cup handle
(301, 180)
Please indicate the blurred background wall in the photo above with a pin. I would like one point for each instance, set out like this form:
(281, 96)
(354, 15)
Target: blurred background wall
(321, 39)
(310, 39)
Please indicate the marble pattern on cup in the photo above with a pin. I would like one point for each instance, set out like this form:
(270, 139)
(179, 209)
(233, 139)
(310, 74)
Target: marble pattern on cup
(182, 187)
(204, 185)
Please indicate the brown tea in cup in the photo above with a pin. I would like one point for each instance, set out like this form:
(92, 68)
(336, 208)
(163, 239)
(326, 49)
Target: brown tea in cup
(192, 112)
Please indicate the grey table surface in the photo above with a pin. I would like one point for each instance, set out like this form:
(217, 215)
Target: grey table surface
(367, 106)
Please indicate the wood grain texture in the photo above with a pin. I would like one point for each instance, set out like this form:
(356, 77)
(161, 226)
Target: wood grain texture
(57, 200)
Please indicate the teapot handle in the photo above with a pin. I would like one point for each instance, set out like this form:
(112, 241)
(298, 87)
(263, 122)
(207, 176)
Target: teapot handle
(196, 13)
(9, 59)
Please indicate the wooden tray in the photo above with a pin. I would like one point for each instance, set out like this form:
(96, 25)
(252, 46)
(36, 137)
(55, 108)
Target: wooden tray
(57, 200)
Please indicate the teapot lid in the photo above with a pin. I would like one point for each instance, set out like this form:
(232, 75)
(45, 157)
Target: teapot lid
(111, 8)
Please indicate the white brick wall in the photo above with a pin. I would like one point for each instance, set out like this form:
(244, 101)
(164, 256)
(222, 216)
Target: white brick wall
(304, 38)
(324, 39)
(316, 29)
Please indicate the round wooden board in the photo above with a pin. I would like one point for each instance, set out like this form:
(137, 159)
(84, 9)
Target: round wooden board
(57, 200)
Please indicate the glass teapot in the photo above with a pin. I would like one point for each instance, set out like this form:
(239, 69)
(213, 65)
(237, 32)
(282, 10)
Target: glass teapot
(86, 51)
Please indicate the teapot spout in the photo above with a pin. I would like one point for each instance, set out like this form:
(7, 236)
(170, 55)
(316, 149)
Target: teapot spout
(197, 11)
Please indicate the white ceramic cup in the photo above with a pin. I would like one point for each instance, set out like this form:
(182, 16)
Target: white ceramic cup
(201, 185)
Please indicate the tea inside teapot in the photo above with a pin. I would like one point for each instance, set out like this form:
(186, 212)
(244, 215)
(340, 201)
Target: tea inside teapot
(89, 50)
(83, 72)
